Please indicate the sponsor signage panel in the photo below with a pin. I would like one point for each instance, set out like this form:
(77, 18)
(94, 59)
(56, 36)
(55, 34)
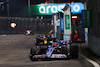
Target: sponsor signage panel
(49, 9)
(87, 20)
(62, 24)
(67, 22)
(66, 37)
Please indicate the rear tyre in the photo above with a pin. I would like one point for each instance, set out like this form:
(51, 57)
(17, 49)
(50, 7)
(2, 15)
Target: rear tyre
(65, 51)
(37, 41)
(32, 53)
(74, 51)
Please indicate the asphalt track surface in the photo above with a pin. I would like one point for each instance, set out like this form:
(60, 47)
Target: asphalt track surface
(14, 52)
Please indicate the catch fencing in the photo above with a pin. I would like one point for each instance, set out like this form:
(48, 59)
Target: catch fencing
(23, 24)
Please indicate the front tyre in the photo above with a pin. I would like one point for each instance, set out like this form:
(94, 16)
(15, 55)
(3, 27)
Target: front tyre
(32, 53)
(66, 50)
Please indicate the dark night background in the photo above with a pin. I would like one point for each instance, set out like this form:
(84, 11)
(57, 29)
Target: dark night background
(17, 8)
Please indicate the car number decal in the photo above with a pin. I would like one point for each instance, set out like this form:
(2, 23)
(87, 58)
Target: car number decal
(49, 51)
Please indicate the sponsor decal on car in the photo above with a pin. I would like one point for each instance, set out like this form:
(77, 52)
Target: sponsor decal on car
(64, 42)
(58, 56)
(39, 56)
(49, 51)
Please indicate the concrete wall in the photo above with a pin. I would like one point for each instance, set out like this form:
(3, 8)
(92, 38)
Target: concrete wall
(94, 32)
(94, 44)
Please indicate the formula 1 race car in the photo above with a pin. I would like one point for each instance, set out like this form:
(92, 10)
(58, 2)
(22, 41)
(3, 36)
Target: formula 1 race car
(28, 32)
(46, 47)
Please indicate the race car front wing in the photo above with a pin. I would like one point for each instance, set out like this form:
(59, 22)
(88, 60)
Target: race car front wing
(52, 56)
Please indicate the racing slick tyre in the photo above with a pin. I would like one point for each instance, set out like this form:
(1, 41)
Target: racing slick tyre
(74, 51)
(65, 51)
(32, 53)
(37, 41)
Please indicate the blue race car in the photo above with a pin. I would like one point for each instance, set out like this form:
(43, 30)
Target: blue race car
(46, 47)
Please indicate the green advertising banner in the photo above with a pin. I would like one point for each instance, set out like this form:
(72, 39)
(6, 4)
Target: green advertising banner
(67, 22)
(49, 9)
(45, 9)
(87, 20)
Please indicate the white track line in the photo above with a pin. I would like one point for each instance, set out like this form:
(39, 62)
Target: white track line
(91, 61)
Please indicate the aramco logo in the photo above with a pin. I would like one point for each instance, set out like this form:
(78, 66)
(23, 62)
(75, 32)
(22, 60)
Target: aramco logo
(49, 9)
(58, 8)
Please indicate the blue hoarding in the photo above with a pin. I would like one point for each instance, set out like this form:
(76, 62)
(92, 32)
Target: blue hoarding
(62, 24)
(82, 15)
(76, 7)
